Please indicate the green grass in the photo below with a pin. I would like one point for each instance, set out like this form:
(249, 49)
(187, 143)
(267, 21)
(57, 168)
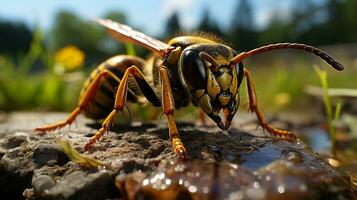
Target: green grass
(21, 89)
(279, 84)
(332, 117)
(279, 76)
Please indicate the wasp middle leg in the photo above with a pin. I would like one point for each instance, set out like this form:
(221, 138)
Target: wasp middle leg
(119, 102)
(253, 104)
(167, 104)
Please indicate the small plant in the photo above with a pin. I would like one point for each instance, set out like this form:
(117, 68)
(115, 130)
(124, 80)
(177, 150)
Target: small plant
(130, 49)
(332, 117)
(13, 77)
(51, 88)
(77, 157)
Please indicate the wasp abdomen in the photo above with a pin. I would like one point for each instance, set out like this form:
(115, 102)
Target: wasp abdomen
(103, 101)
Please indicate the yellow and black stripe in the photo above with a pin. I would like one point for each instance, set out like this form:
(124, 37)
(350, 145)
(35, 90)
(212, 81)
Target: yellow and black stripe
(103, 101)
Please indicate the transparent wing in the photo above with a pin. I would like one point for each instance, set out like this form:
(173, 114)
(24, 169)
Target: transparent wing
(125, 33)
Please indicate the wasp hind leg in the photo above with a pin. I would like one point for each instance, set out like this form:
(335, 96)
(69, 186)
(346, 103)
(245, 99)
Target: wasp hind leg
(261, 118)
(85, 99)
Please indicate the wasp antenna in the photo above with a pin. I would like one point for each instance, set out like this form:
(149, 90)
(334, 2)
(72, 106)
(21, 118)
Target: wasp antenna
(323, 55)
(210, 59)
(238, 58)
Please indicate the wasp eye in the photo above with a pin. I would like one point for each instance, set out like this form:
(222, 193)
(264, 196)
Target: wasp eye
(193, 70)
(239, 70)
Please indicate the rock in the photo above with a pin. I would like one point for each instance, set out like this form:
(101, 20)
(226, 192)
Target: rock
(234, 165)
(42, 183)
(14, 140)
(16, 172)
(48, 154)
(82, 185)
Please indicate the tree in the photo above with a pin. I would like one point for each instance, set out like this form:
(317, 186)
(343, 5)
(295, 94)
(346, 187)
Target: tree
(243, 33)
(116, 16)
(108, 44)
(320, 31)
(70, 29)
(244, 16)
(207, 25)
(15, 37)
(172, 25)
(276, 31)
(304, 15)
(335, 22)
(350, 18)
(83, 33)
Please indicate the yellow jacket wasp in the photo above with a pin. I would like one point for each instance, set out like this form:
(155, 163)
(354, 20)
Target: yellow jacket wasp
(186, 69)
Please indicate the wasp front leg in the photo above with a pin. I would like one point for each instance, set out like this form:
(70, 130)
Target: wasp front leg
(253, 104)
(168, 105)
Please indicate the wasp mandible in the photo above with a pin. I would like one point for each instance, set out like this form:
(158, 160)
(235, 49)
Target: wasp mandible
(187, 69)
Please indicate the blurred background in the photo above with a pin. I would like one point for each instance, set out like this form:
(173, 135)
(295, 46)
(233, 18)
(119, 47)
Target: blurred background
(48, 48)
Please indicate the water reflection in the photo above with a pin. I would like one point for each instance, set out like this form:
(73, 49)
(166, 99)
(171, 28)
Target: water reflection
(196, 180)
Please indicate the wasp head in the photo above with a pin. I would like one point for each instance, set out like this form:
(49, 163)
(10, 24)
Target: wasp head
(212, 80)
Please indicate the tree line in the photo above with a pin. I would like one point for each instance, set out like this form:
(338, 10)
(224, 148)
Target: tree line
(327, 23)
(330, 22)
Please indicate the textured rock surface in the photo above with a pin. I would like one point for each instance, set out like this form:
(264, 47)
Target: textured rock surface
(233, 165)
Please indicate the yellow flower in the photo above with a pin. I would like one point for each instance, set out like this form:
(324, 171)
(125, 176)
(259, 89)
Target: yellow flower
(282, 99)
(70, 57)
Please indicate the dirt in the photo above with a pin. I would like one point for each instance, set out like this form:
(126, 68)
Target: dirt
(243, 163)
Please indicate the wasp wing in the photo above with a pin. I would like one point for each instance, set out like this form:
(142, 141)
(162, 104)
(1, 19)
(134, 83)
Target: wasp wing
(125, 33)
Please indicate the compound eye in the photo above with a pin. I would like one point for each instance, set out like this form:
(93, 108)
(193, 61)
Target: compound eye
(239, 70)
(193, 70)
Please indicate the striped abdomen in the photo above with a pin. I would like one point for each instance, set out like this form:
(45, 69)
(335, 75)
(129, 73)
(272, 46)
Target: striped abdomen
(103, 101)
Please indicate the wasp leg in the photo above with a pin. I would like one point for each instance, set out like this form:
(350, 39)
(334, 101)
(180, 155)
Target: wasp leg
(119, 103)
(203, 118)
(168, 105)
(261, 118)
(83, 102)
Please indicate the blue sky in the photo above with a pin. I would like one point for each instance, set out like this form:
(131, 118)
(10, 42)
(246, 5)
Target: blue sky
(149, 15)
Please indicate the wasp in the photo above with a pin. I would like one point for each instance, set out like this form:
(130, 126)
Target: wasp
(187, 69)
